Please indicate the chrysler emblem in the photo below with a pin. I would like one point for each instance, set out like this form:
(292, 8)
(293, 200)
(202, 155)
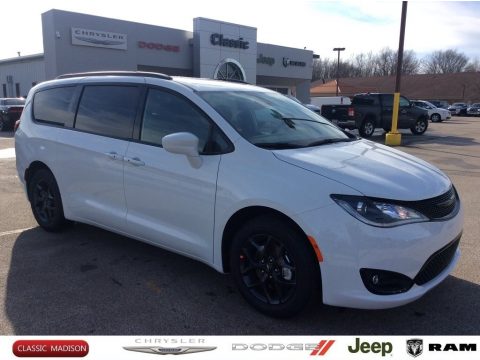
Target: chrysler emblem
(169, 350)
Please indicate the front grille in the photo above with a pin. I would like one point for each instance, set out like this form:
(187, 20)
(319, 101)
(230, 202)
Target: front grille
(437, 263)
(438, 207)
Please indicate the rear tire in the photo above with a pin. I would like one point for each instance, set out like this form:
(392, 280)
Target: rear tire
(420, 126)
(367, 128)
(274, 266)
(46, 201)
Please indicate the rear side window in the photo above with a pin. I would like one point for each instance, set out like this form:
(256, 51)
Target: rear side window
(53, 105)
(108, 110)
(364, 100)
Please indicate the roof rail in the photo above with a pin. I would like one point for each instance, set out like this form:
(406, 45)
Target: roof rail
(116, 73)
(235, 81)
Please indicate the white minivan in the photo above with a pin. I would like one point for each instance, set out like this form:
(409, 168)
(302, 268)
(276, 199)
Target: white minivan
(243, 179)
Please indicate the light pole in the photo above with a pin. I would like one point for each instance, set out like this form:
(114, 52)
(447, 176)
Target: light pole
(393, 137)
(338, 64)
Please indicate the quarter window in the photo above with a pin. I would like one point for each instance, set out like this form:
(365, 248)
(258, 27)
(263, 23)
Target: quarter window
(108, 110)
(167, 113)
(53, 105)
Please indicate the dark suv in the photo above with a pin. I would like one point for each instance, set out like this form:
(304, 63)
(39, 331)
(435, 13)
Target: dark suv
(10, 111)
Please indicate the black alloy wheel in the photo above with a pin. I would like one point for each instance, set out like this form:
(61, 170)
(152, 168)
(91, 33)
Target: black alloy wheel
(267, 269)
(46, 201)
(274, 266)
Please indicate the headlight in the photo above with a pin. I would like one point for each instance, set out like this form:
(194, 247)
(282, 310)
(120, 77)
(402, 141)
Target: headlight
(376, 212)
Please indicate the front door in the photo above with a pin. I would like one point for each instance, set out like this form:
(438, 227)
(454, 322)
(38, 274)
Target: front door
(170, 202)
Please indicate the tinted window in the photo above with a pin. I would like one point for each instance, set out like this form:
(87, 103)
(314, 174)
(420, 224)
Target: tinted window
(108, 110)
(365, 100)
(405, 103)
(167, 113)
(53, 105)
(14, 102)
(387, 100)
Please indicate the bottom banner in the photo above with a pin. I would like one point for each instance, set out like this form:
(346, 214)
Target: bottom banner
(242, 347)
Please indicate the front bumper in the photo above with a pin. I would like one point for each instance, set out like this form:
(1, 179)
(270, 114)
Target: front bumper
(349, 245)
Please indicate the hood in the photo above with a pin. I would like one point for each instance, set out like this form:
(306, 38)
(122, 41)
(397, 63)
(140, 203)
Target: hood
(374, 170)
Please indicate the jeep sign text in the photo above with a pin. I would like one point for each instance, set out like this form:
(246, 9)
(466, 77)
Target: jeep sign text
(375, 347)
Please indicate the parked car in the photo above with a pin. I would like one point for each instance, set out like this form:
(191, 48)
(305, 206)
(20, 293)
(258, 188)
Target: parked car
(244, 180)
(474, 110)
(435, 114)
(330, 100)
(458, 109)
(311, 107)
(440, 103)
(10, 111)
(372, 110)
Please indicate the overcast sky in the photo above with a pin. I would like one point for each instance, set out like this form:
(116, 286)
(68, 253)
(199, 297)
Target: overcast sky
(360, 26)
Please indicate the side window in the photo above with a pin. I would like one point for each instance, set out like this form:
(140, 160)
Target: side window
(53, 105)
(387, 100)
(108, 110)
(166, 113)
(405, 103)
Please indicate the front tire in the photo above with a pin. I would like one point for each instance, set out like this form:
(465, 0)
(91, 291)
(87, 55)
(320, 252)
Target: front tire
(274, 266)
(367, 128)
(436, 118)
(46, 201)
(420, 126)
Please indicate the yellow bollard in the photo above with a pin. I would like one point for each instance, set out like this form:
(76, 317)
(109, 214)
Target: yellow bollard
(394, 138)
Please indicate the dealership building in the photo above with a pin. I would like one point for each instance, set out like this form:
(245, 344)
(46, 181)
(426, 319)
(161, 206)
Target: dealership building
(74, 42)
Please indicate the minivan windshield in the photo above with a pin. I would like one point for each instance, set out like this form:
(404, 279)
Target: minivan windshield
(272, 121)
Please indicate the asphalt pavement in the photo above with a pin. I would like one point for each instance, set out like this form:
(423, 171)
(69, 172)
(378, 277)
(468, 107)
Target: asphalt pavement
(92, 282)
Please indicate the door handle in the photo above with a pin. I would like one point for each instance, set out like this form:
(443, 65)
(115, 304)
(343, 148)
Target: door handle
(135, 161)
(113, 155)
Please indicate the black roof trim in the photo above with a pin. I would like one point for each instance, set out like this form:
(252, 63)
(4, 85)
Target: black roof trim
(233, 81)
(116, 73)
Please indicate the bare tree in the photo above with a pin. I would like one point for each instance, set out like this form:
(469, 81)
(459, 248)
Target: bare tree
(410, 64)
(385, 62)
(445, 62)
(364, 64)
(473, 66)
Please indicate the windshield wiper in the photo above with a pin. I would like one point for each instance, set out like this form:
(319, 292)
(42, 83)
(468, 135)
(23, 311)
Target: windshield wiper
(302, 119)
(329, 141)
(278, 145)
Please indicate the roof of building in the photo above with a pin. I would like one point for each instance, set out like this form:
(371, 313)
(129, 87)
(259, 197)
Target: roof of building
(22, 58)
(450, 87)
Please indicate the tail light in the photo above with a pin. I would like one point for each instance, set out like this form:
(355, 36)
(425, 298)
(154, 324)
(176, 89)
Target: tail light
(351, 112)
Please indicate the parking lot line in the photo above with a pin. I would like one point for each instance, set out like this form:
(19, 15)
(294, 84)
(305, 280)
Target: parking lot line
(7, 153)
(5, 233)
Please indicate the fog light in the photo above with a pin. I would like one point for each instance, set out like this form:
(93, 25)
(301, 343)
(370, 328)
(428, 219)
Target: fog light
(383, 282)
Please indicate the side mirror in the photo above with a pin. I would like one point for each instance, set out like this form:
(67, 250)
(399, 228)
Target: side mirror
(183, 143)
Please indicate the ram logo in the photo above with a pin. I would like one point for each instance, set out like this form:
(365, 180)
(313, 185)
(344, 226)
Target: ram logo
(414, 347)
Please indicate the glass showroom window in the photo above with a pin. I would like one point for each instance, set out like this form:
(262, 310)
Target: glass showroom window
(229, 69)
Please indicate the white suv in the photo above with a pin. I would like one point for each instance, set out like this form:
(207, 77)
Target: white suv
(243, 179)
